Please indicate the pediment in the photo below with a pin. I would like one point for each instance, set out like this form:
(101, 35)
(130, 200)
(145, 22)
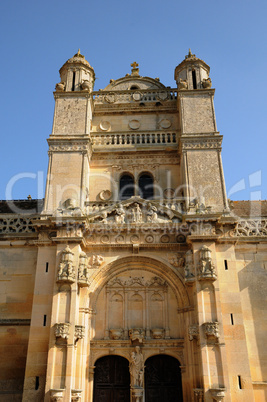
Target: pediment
(135, 210)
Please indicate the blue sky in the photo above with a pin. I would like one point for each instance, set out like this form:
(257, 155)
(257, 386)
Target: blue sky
(37, 37)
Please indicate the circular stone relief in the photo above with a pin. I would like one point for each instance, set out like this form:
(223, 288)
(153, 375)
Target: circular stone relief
(104, 239)
(168, 193)
(165, 239)
(137, 96)
(134, 124)
(134, 239)
(149, 239)
(163, 95)
(105, 195)
(119, 239)
(165, 123)
(104, 125)
(180, 238)
(110, 98)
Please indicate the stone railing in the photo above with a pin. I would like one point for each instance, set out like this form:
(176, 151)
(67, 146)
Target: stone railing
(98, 206)
(16, 224)
(134, 139)
(128, 96)
(251, 228)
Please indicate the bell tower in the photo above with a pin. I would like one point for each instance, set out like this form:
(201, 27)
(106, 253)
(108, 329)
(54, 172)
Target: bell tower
(200, 142)
(70, 143)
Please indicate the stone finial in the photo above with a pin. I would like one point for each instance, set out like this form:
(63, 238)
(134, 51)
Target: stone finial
(135, 69)
(190, 55)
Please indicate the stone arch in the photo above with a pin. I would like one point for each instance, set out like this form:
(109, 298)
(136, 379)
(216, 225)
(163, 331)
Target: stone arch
(140, 263)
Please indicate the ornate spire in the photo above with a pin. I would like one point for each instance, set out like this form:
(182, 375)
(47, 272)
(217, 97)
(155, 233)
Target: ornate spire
(190, 55)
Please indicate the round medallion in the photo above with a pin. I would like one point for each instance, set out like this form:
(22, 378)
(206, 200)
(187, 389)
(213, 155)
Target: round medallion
(91, 239)
(135, 239)
(168, 193)
(104, 239)
(165, 123)
(119, 239)
(163, 95)
(110, 98)
(134, 124)
(180, 238)
(104, 125)
(149, 239)
(165, 239)
(105, 195)
(136, 96)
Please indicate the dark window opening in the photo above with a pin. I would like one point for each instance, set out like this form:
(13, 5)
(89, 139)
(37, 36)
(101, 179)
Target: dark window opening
(44, 323)
(134, 87)
(73, 81)
(194, 79)
(225, 265)
(126, 187)
(46, 267)
(239, 381)
(36, 383)
(232, 318)
(146, 187)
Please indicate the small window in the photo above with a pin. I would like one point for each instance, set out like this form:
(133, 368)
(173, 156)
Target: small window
(239, 381)
(232, 318)
(194, 77)
(126, 187)
(225, 265)
(73, 81)
(146, 186)
(133, 87)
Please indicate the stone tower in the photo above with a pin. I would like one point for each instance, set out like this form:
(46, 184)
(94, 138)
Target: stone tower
(137, 281)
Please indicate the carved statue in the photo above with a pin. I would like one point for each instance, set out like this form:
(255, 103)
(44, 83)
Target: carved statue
(151, 214)
(136, 213)
(206, 268)
(85, 85)
(189, 266)
(120, 215)
(176, 260)
(66, 272)
(83, 270)
(137, 368)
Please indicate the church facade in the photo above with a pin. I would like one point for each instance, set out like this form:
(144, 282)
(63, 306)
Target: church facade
(135, 279)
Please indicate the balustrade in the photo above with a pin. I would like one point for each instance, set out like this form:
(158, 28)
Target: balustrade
(127, 96)
(136, 139)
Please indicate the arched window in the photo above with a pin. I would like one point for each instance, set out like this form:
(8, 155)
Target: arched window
(126, 187)
(146, 187)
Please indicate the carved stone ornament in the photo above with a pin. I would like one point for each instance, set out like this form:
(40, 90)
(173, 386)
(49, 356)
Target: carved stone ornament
(60, 86)
(193, 332)
(206, 83)
(79, 332)
(198, 394)
(197, 206)
(116, 333)
(206, 268)
(83, 274)
(62, 330)
(205, 143)
(217, 393)
(157, 333)
(251, 228)
(189, 267)
(76, 395)
(137, 368)
(95, 261)
(137, 334)
(182, 84)
(85, 85)
(56, 395)
(66, 272)
(176, 260)
(211, 329)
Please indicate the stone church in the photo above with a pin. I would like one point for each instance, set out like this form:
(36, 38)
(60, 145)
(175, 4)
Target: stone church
(135, 279)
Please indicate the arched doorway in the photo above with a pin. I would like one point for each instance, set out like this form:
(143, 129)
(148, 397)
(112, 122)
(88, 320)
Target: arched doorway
(112, 379)
(163, 379)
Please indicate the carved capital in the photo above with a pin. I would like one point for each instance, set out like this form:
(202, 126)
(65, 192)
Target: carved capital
(217, 393)
(56, 395)
(62, 330)
(79, 332)
(193, 332)
(198, 394)
(76, 395)
(211, 329)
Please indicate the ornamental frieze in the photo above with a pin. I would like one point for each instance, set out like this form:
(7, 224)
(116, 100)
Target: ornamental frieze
(201, 143)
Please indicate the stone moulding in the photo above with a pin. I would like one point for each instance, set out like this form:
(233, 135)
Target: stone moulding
(203, 143)
(62, 330)
(76, 395)
(211, 329)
